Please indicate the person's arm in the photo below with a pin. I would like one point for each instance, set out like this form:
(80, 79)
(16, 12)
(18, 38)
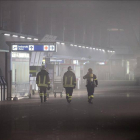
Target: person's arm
(37, 79)
(95, 79)
(48, 79)
(74, 80)
(85, 77)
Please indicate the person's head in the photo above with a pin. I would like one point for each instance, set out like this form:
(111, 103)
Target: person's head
(90, 70)
(69, 68)
(43, 67)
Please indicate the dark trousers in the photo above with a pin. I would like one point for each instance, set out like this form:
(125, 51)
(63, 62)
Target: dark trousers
(90, 90)
(69, 90)
(43, 90)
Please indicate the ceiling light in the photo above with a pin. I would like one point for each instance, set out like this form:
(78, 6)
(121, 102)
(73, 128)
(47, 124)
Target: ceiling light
(35, 38)
(29, 38)
(58, 42)
(62, 43)
(75, 45)
(79, 46)
(7, 34)
(71, 44)
(22, 37)
(14, 36)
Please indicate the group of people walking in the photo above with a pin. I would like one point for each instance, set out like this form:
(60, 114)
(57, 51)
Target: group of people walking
(69, 83)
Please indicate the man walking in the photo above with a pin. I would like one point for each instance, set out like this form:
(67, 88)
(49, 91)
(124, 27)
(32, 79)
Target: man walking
(69, 83)
(43, 82)
(92, 82)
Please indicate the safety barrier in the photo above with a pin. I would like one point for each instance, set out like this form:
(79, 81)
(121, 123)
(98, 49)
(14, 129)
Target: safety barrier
(3, 89)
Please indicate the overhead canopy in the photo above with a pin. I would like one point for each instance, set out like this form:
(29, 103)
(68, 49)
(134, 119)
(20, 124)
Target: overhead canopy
(3, 46)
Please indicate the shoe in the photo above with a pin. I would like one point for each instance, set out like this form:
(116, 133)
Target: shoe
(69, 101)
(90, 101)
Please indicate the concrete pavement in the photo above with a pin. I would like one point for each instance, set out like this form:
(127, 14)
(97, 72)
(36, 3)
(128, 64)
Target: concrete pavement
(114, 115)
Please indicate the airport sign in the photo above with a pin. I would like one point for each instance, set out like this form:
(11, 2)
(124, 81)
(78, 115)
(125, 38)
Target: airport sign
(34, 47)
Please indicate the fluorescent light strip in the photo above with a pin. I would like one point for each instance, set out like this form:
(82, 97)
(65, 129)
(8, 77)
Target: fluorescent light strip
(58, 42)
(62, 43)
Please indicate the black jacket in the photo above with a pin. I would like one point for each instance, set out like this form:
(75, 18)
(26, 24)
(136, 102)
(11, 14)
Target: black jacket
(42, 79)
(91, 79)
(69, 79)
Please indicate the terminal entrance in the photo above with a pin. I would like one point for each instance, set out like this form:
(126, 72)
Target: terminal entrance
(26, 61)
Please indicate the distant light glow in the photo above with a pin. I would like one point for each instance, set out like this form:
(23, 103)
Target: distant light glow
(79, 46)
(58, 42)
(90, 48)
(101, 63)
(75, 45)
(83, 46)
(93, 48)
(63, 43)
(87, 47)
(97, 49)
(71, 44)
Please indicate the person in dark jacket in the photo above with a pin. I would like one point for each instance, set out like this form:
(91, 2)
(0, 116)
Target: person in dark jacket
(92, 82)
(43, 82)
(69, 83)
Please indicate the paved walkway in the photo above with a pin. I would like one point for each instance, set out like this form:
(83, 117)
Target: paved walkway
(114, 115)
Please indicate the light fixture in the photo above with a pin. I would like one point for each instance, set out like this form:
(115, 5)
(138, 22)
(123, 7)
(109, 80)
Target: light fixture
(97, 49)
(58, 42)
(83, 46)
(79, 46)
(62, 43)
(87, 47)
(71, 44)
(14, 36)
(35, 38)
(93, 48)
(75, 45)
(90, 47)
(22, 37)
(7, 34)
(29, 38)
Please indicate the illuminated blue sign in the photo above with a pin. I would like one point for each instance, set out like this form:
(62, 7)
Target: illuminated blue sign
(24, 47)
